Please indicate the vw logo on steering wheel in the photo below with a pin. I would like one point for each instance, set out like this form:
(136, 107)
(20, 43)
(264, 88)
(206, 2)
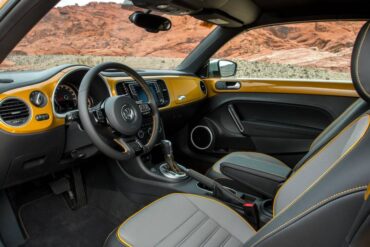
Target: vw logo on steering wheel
(128, 114)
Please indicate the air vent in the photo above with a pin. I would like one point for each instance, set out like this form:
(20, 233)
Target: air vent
(121, 89)
(14, 112)
(203, 87)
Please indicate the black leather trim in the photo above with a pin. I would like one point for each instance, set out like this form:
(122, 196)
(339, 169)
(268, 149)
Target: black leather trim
(28, 78)
(361, 62)
(149, 73)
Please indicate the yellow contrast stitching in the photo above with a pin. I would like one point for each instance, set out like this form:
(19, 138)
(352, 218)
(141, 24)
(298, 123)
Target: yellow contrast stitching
(367, 194)
(335, 196)
(151, 204)
(225, 206)
(132, 216)
(358, 61)
(327, 171)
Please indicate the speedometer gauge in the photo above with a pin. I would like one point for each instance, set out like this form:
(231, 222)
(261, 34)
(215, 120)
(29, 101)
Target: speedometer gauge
(65, 98)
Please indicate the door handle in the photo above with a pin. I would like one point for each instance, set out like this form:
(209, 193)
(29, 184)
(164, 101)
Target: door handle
(233, 85)
(228, 85)
(236, 118)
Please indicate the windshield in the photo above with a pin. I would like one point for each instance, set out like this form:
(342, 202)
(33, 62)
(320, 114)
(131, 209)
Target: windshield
(90, 32)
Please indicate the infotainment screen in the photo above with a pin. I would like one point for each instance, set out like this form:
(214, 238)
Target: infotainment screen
(141, 94)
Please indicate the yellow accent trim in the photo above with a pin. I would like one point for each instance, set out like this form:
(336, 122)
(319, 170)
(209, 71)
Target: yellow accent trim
(177, 86)
(307, 210)
(33, 126)
(285, 87)
(151, 204)
(327, 171)
(367, 193)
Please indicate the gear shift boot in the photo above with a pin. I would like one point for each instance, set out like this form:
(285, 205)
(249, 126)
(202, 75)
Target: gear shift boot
(168, 173)
(170, 169)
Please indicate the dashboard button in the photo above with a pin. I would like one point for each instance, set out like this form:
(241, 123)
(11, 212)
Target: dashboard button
(42, 117)
(38, 99)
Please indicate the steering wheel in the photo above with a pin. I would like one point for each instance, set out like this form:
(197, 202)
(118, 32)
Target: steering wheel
(118, 117)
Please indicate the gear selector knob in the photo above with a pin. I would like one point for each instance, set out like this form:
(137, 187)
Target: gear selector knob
(167, 147)
(168, 156)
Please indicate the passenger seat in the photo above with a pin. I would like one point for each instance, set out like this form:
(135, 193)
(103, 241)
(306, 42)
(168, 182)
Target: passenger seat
(261, 174)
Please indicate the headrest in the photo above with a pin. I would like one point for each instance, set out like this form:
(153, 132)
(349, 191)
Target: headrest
(360, 67)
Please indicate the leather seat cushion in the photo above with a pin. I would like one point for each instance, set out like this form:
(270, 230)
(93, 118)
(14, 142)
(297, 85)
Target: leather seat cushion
(186, 220)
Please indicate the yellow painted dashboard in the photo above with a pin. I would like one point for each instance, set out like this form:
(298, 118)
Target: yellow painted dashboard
(182, 90)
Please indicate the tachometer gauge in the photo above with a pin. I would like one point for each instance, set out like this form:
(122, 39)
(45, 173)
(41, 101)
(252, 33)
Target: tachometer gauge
(65, 98)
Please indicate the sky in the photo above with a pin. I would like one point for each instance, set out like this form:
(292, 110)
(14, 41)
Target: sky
(84, 2)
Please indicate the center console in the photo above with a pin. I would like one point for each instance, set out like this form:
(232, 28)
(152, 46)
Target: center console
(158, 174)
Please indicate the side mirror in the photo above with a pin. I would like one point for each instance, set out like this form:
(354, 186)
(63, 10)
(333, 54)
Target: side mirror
(222, 68)
(151, 23)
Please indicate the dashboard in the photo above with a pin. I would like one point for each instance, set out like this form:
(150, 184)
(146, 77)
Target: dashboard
(37, 134)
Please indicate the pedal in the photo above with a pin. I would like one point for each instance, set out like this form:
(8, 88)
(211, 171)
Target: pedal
(60, 186)
(79, 188)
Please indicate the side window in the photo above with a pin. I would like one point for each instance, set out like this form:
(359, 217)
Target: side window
(306, 51)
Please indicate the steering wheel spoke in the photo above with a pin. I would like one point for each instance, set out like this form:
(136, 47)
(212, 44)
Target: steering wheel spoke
(98, 114)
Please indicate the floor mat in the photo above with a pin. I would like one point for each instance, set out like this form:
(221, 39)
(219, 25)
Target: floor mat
(50, 222)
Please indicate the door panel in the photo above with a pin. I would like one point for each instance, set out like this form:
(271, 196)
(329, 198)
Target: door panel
(283, 124)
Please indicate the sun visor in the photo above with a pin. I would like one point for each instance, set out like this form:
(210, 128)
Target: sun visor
(173, 7)
(218, 18)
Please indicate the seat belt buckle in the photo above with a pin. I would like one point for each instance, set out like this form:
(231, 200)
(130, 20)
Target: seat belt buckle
(251, 213)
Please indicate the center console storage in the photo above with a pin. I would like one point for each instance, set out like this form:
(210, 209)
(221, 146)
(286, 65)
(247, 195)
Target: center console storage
(264, 177)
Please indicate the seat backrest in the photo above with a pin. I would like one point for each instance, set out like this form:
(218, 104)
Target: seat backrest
(318, 204)
(358, 108)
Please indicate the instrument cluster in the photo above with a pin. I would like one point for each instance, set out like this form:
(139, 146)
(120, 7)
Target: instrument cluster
(65, 96)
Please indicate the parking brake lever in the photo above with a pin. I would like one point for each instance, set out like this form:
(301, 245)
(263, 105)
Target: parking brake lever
(219, 191)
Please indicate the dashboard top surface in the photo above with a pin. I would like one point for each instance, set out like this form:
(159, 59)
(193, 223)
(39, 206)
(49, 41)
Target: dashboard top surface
(20, 79)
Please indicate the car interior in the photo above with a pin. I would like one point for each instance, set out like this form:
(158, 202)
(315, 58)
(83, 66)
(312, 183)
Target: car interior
(112, 154)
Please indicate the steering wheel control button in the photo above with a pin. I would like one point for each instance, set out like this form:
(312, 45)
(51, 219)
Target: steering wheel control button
(145, 109)
(141, 134)
(42, 117)
(136, 146)
(38, 99)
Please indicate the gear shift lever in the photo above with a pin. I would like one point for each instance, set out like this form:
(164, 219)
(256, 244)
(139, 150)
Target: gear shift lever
(168, 156)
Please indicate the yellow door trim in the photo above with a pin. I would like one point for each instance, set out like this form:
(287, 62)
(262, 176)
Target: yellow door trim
(343, 89)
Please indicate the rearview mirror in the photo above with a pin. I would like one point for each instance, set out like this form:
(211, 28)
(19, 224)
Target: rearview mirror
(151, 23)
(222, 68)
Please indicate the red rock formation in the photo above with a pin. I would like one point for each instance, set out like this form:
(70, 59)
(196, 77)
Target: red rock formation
(104, 29)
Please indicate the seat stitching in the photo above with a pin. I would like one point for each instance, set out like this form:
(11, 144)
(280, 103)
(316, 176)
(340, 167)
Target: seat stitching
(223, 205)
(332, 166)
(353, 106)
(194, 230)
(123, 241)
(312, 208)
(228, 237)
(211, 234)
(181, 224)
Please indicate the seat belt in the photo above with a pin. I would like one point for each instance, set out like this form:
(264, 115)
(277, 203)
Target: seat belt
(360, 218)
